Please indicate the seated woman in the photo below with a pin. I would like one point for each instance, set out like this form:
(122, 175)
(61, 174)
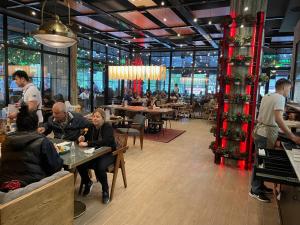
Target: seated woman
(27, 156)
(99, 134)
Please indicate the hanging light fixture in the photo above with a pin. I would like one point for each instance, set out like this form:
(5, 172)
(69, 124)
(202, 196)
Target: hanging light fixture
(54, 33)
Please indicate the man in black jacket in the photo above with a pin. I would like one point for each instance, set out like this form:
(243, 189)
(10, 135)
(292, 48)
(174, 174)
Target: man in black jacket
(65, 125)
(27, 156)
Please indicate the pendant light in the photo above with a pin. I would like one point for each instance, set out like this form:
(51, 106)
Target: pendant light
(54, 33)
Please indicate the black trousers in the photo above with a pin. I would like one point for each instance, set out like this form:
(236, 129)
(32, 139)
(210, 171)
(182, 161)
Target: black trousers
(99, 165)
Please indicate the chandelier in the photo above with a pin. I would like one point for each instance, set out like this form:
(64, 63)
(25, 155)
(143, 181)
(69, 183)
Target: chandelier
(137, 72)
(54, 33)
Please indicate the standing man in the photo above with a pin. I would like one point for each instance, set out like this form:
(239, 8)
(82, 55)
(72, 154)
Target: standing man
(31, 95)
(176, 89)
(266, 131)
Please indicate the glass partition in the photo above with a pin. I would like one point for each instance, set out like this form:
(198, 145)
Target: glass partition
(29, 61)
(56, 75)
(18, 33)
(2, 78)
(84, 83)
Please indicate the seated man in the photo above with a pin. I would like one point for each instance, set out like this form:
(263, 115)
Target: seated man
(27, 156)
(65, 125)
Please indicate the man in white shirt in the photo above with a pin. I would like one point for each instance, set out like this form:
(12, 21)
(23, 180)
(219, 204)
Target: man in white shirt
(266, 131)
(31, 95)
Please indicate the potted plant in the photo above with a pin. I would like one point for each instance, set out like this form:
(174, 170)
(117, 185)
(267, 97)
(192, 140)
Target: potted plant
(249, 79)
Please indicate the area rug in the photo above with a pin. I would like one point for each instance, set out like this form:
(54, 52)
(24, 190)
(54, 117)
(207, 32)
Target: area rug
(169, 135)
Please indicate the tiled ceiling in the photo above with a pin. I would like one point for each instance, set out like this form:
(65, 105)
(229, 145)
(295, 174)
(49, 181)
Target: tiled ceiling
(151, 24)
(139, 20)
(167, 16)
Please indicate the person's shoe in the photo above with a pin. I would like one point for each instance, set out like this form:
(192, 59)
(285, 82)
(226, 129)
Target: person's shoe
(105, 197)
(267, 190)
(260, 197)
(87, 188)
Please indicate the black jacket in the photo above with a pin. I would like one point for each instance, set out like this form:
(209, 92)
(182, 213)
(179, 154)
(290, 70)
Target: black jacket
(71, 131)
(103, 136)
(28, 157)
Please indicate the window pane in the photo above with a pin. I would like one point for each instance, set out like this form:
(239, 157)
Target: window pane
(212, 79)
(1, 28)
(183, 78)
(29, 61)
(84, 84)
(124, 57)
(160, 58)
(18, 31)
(99, 52)
(145, 58)
(200, 81)
(2, 80)
(113, 56)
(98, 86)
(182, 59)
(56, 72)
(57, 50)
(83, 50)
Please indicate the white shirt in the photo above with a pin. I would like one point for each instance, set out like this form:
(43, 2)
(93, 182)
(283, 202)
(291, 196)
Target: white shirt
(266, 116)
(31, 93)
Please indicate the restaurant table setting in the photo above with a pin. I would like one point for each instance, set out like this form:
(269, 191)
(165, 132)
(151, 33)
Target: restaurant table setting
(74, 156)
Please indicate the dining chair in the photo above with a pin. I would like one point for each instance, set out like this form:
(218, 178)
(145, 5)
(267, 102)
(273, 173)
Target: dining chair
(121, 141)
(136, 128)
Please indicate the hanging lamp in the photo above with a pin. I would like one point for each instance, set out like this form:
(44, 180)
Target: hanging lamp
(54, 33)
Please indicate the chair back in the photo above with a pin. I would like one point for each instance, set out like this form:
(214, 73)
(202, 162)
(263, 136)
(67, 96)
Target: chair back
(121, 140)
(139, 119)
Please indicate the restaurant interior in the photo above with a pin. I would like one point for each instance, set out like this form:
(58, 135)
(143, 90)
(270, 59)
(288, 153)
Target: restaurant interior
(147, 111)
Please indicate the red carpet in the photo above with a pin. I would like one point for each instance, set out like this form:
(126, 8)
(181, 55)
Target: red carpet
(168, 136)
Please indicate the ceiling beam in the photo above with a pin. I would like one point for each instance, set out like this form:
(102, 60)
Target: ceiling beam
(189, 17)
(190, 4)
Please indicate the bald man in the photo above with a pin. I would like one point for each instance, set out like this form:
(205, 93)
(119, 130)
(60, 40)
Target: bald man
(65, 125)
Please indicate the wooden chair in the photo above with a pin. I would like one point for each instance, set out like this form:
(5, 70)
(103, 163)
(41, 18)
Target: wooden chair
(136, 128)
(121, 140)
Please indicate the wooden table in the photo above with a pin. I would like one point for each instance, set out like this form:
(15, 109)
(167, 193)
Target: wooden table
(294, 106)
(141, 109)
(80, 157)
(295, 164)
(292, 123)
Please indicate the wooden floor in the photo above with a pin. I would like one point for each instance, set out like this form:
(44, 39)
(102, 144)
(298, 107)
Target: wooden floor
(178, 183)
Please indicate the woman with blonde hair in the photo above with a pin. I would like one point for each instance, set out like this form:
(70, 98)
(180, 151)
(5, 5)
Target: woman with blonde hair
(99, 134)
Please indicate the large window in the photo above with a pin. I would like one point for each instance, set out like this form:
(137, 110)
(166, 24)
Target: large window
(200, 82)
(113, 85)
(113, 56)
(277, 60)
(205, 59)
(2, 79)
(182, 59)
(98, 85)
(183, 78)
(56, 75)
(99, 52)
(29, 61)
(125, 57)
(84, 83)
(160, 58)
(145, 58)
(18, 33)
